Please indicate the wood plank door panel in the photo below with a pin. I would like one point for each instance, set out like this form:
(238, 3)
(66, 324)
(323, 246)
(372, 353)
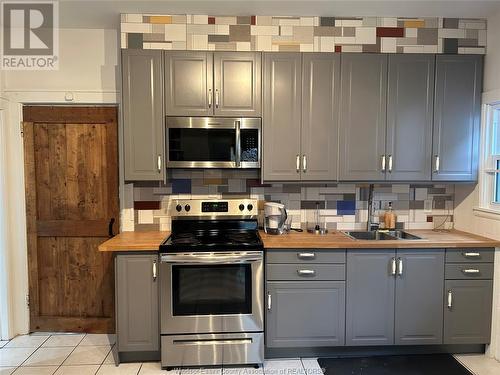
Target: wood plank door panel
(71, 169)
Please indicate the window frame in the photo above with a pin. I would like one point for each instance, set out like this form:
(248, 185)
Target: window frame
(489, 162)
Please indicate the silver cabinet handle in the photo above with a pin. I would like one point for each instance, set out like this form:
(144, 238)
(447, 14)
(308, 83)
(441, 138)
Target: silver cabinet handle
(216, 98)
(469, 271)
(306, 272)
(304, 163)
(306, 255)
(154, 270)
(436, 163)
(269, 301)
(297, 163)
(210, 98)
(400, 267)
(449, 303)
(383, 163)
(158, 162)
(390, 163)
(471, 255)
(393, 267)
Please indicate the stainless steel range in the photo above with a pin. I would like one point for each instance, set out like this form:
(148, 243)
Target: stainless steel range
(212, 285)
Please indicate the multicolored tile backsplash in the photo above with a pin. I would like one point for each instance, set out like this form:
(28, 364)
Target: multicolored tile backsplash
(305, 34)
(341, 206)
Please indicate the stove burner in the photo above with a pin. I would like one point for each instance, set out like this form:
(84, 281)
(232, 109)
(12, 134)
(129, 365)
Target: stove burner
(185, 239)
(240, 237)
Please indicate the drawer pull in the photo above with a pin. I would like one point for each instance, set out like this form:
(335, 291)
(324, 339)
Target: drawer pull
(471, 255)
(306, 272)
(400, 267)
(393, 267)
(450, 299)
(306, 255)
(471, 271)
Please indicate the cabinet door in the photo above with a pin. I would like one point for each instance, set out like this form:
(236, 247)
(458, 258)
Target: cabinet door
(320, 93)
(137, 316)
(281, 123)
(362, 116)
(457, 115)
(305, 313)
(143, 115)
(370, 297)
(238, 90)
(467, 315)
(409, 117)
(189, 83)
(419, 297)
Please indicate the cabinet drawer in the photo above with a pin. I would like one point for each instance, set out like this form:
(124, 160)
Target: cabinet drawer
(469, 271)
(305, 256)
(482, 255)
(293, 272)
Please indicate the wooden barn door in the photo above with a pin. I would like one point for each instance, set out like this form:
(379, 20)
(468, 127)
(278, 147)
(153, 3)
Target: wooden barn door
(71, 179)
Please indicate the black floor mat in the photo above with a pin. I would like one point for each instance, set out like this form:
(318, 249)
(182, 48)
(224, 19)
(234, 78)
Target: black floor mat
(432, 364)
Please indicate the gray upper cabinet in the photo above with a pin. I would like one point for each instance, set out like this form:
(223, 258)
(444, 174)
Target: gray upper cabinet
(282, 113)
(143, 115)
(305, 313)
(419, 297)
(467, 315)
(370, 297)
(301, 98)
(363, 97)
(189, 83)
(409, 117)
(136, 293)
(320, 101)
(457, 115)
(237, 79)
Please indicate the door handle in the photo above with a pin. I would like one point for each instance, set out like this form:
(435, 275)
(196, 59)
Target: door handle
(449, 303)
(400, 267)
(158, 162)
(383, 163)
(304, 163)
(216, 98)
(269, 302)
(390, 163)
(110, 227)
(297, 163)
(154, 270)
(210, 98)
(393, 267)
(436, 163)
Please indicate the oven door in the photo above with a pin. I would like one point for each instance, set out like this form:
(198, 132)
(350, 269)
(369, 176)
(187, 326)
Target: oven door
(211, 142)
(212, 292)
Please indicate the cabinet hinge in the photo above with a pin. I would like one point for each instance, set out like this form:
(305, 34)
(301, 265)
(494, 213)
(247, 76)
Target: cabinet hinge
(21, 127)
(27, 300)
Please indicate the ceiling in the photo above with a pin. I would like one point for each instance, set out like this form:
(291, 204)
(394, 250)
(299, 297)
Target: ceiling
(104, 13)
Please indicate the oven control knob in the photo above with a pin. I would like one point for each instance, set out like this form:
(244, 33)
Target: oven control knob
(178, 208)
(250, 207)
(187, 207)
(241, 207)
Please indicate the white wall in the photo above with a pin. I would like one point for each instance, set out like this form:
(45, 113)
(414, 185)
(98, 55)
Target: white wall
(467, 196)
(89, 69)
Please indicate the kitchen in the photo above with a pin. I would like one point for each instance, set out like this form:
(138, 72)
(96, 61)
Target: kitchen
(185, 136)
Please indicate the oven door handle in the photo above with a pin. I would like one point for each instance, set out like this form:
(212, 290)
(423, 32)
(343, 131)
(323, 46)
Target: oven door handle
(210, 259)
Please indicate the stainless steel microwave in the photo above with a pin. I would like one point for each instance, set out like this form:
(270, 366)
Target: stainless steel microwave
(213, 142)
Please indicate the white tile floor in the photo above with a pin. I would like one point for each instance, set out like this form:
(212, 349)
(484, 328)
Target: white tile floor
(81, 354)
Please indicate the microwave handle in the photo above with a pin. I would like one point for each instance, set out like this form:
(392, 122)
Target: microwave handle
(237, 124)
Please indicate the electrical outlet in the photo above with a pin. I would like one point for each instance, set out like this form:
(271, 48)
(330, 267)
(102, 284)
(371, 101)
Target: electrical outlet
(428, 205)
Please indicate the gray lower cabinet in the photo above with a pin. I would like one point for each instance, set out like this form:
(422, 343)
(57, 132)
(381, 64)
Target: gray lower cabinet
(419, 297)
(363, 98)
(143, 115)
(370, 297)
(409, 117)
(136, 294)
(457, 116)
(305, 313)
(467, 315)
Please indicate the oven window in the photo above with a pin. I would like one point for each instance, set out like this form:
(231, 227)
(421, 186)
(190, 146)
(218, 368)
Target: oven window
(202, 144)
(212, 289)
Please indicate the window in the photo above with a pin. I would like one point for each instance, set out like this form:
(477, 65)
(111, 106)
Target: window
(490, 179)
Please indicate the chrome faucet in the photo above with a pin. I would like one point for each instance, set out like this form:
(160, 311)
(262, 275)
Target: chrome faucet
(371, 225)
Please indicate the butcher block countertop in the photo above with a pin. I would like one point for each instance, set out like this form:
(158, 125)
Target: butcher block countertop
(150, 241)
(335, 239)
(134, 241)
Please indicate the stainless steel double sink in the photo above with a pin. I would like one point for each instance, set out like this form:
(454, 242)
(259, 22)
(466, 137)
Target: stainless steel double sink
(379, 235)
